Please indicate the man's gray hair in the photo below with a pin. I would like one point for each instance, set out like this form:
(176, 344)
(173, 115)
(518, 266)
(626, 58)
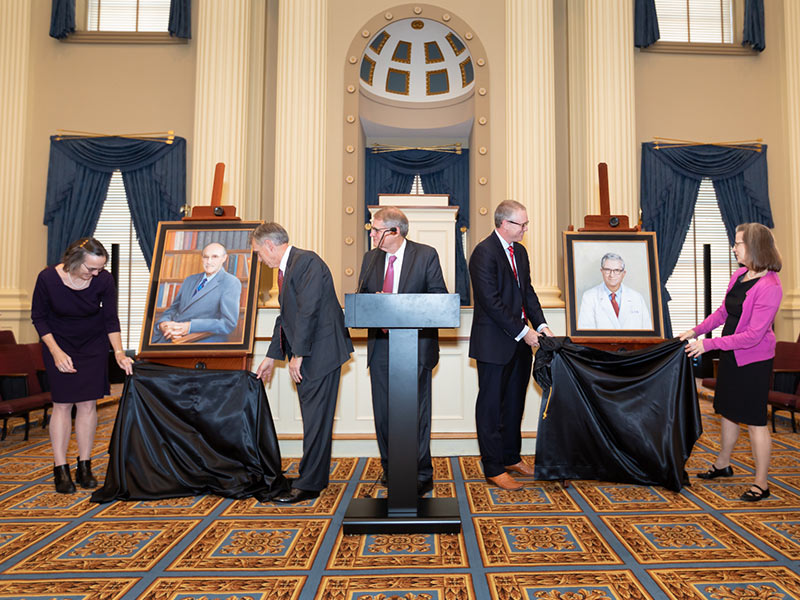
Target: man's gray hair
(272, 231)
(611, 256)
(505, 210)
(393, 217)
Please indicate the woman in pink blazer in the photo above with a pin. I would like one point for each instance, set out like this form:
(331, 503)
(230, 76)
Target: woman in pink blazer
(747, 347)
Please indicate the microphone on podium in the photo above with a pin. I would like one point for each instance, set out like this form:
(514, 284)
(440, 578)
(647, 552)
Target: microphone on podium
(374, 258)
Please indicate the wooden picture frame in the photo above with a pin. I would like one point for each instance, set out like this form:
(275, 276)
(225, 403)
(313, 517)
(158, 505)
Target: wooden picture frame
(590, 312)
(223, 320)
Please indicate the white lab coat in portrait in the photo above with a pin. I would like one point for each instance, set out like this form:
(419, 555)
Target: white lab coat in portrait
(596, 311)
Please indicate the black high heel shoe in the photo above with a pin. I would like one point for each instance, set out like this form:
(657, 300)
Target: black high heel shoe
(751, 496)
(63, 480)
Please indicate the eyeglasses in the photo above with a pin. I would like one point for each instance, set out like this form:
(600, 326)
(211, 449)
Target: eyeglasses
(613, 271)
(523, 225)
(92, 269)
(379, 229)
(738, 244)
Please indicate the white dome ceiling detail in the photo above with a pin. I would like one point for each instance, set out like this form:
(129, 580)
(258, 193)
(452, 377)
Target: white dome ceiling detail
(417, 60)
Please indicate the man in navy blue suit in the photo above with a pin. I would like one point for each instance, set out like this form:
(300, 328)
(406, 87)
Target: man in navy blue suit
(399, 266)
(506, 323)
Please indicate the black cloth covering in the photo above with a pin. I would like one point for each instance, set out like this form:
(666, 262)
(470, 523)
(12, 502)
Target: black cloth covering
(626, 417)
(186, 432)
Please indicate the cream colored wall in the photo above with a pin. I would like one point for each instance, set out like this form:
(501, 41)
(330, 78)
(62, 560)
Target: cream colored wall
(109, 88)
(346, 19)
(718, 98)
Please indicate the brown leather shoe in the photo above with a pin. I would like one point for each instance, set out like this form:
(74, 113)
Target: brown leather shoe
(522, 468)
(505, 481)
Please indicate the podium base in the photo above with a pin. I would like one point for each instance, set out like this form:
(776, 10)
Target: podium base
(370, 515)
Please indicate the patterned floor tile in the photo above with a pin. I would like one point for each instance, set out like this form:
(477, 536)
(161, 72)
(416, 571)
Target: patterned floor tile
(700, 462)
(13, 468)
(326, 504)
(74, 589)
(383, 551)
(5, 488)
(781, 461)
(741, 583)
(262, 544)
(535, 497)
(283, 587)
(43, 502)
(441, 489)
(789, 440)
(710, 439)
(620, 497)
(570, 585)
(792, 481)
(16, 537)
(681, 538)
(780, 530)
(724, 494)
(342, 469)
(188, 506)
(43, 450)
(541, 540)
(441, 468)
(416, 587)
(107, 546)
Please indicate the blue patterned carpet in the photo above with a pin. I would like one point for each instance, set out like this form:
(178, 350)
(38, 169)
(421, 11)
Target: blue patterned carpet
(590, 541)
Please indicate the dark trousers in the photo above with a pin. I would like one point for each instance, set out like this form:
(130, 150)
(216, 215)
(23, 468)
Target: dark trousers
(317, 407)
(499, 408)
(379, 378)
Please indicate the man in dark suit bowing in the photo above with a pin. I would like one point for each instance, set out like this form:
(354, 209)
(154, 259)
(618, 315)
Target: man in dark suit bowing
(399, 266)
(309, 331)
(506, 323)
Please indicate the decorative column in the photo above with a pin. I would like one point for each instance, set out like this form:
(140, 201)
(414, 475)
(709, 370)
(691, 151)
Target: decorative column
(221, 100)
(530, 135)
(602, 115)
(15, 31)
(300, 122)
(790, 308)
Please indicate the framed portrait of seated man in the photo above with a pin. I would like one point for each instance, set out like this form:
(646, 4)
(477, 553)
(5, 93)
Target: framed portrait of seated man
(612, 284)
(203, 290)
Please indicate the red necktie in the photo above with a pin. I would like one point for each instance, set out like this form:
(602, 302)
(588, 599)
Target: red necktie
(614, 303)
(388, 279)
(514, 268)
(280, 280)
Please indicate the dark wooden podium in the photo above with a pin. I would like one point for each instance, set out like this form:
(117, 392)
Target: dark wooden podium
(402, 511)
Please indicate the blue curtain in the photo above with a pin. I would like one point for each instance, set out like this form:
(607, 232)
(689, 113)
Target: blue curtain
(62, 18)
(180, 19)
(645, 23)
(441, 173)
(669, 185)
(154, 174)
(753, 34)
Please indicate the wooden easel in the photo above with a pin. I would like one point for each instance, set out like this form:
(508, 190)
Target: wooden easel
(209, 214)
(605, 221)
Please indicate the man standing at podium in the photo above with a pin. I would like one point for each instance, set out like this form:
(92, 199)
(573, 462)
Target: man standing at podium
(399, 266)
(501, 341)
(310, 332)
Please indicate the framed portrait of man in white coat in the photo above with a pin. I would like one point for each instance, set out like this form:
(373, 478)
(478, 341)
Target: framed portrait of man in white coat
(612, 285)
(203, 289)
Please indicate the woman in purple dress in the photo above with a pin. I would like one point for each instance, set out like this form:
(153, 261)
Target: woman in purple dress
(74, 310)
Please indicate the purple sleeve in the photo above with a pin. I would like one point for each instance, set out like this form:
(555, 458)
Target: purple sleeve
(109, 299)
(40, 307)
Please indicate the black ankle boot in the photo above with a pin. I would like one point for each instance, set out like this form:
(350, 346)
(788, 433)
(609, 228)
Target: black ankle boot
(63, 481)
(83, 475)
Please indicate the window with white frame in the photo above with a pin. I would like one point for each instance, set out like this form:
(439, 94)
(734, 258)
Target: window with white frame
(115, 226)
(685, 285)
(127, 15)
(416, 186)
(696, 21)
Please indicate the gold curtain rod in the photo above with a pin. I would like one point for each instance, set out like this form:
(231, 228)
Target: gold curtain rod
(168, 137)
(754, 145)
(453, 148)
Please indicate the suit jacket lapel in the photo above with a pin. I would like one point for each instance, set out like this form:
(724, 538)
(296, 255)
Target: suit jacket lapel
(408, 261)
(211, 284)
(287, 274)
(504, 257)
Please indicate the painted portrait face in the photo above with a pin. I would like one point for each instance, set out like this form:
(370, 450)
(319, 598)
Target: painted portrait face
(613, 272)
(214, 256)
